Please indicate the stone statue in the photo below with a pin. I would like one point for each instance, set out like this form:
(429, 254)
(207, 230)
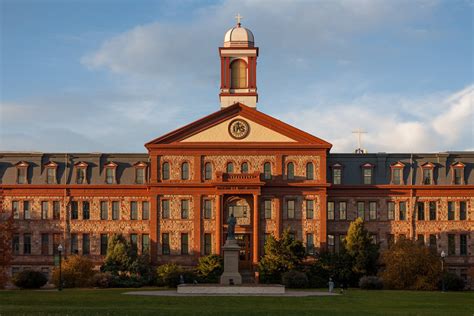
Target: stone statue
(231, 221)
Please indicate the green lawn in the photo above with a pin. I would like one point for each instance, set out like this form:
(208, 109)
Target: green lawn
(353, 302)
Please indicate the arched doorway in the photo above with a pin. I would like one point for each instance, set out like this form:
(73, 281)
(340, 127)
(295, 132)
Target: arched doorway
(241, 207)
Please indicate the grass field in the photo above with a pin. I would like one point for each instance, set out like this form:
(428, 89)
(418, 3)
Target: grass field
(353, 302)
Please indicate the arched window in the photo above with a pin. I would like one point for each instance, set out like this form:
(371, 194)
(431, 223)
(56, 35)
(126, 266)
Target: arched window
(238, 70)
(165, 171)
(230, 167)
(290, 171)
(309, 171)
(267, 171)
(244, 168)
(185, 171)
(208, 171)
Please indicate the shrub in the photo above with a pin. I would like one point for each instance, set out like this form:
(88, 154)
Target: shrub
(170, 275)
(453, 282)
(102, 280)
(76, 271)
(295, 279)
(210, 268)
(370, 283)
(29, 279)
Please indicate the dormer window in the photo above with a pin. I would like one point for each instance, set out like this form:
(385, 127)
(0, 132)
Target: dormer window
(367, 173)
(185, 171)
(165, 171)
(110, 176)
(397, 173)
(309, 171)
(427, 173)
(290, 171)
(22, 172)
(336, 173)
(51, 172)
(81, 172)
(458, 172)
(140, 172)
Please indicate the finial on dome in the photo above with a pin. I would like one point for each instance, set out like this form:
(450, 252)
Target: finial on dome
(238, 17)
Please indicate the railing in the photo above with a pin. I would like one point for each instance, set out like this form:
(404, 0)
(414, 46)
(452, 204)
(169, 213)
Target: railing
(238, 177)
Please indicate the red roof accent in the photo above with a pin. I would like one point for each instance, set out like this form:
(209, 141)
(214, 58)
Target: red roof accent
(427, 165)
(22, 164)
(458, 164)
(81, 164)
(110, 164)
(217, 117)
(51, 164)
(397, 164)
(141, 164)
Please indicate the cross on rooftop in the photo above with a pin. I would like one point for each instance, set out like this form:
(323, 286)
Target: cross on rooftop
(238, 17)
(359, 133)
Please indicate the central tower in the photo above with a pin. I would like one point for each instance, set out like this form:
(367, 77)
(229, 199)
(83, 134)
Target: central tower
(238, 67)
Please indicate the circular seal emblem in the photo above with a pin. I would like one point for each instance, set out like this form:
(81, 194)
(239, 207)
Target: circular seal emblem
(239, 129)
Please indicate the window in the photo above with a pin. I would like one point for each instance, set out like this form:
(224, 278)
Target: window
(309, 209)
(310, 243)
(397, 173)
(420, 239)
(343, 211)
(26, 210)
(290, 171)
(433, 242)
(50, 175)
(463, 244)
(184, 209)
(267, 171)
(15, 209)
(115, 210)
(80, 175)
(165, 171)
(140, 175)
(230, 167)
(45, 244)
(462, 210)
(336, 175)
(165, 243)
(74, 210)
(185, 171)
(267, 209)
(374, 238)
(458, 175)
(244, 168)
(134, 242)
(402, 211)
(104, 210)
(420, 206)
(56, 210)
(451, 244)
(451, 210)
(427, 176)
(184, 244)
(74, 244)
(372, 210)
(238, 71)
(390, 240)
(56, 242)
(86, 244)
(145, 210)
(309, 171)
(207, 209)
(133, 210)
(391, 210)
(109, 175)
(207, 244)
(145, 243)
(361, 210)
(21, 175)
(44, 210)
(27, 244)
(367, 171)
(207, 171)
(432, 210)
(165, 208)
(86, 213)
(104, 240)
(290, 207)
(16, 244)
(330, 211)
(331, 243)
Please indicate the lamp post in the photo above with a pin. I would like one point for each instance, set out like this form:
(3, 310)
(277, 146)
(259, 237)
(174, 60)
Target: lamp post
(443, 255)
(60, 250)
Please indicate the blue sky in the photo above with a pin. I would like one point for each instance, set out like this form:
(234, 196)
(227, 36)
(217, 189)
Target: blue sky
(111, 75)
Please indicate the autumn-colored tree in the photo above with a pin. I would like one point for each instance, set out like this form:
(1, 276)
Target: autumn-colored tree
(410, 266)
(7, 229)
(76, 271)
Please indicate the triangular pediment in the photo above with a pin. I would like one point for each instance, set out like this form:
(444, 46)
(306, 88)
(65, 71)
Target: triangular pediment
(238, 124)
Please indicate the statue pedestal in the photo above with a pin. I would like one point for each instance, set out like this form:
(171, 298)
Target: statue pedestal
(231, 275)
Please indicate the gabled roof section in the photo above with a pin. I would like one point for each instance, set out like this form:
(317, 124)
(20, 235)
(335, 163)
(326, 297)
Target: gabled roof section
(266, 129)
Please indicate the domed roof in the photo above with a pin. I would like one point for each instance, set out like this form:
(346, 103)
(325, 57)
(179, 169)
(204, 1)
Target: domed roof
(238, 36)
